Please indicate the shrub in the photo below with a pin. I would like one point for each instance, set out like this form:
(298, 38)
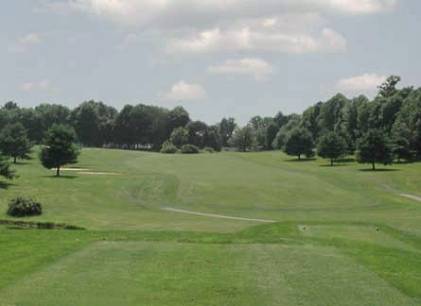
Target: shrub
(21, 207)
(189, 149)
(168, 148)
(209, 150)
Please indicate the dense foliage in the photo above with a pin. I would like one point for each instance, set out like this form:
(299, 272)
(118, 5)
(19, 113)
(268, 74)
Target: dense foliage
(59, 148)
(5, 169)
(22, 207)
(394, 111)
(331, 146)
(14, 141)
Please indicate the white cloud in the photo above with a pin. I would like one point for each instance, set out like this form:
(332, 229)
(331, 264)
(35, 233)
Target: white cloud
(35, 85)
(247, 39)
(143, 12)
(366, 83)
(291, 26)
(30, 39)
(183, 91)
(25, 42)
(255, 67)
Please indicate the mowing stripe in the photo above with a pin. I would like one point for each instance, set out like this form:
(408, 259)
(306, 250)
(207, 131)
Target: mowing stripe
(182, 211)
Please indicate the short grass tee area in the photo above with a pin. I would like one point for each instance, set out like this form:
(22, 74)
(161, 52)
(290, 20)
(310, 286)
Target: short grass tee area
(214, 229)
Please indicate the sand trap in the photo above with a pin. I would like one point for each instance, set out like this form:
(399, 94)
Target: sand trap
(98, 173)
(182, 211)
(412, 197)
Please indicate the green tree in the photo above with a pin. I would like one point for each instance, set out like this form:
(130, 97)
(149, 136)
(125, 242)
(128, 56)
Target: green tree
(270, 135)
(388, 88)
(244, 139)
(299, 142)
(375, 147)
(179, 137)
(5, 169)
(226, 129)
(59, 148)
(331, 146)
(14, 141)
(401, 141)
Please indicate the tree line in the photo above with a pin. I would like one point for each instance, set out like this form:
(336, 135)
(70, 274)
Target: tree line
(383, 129)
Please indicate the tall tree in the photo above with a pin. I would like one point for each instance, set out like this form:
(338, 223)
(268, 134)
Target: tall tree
(299, 142)
(226, 129)
(59, 148)
(331, 146)
(244, 139)
(375, 147)
(388, 88)
(14, 141)
(179, 137)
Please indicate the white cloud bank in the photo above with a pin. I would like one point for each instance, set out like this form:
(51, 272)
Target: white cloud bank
(366, 83)
(255, 67)
(35, 85)
(289, 26)
(247, 39)
(25, 42)
(189, 12)
(183, 91)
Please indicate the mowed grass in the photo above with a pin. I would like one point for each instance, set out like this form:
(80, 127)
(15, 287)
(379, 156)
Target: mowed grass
(343, 236)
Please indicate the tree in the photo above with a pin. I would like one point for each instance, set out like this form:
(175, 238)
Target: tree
(179, 137)
(401, 141)
(226, 129)
(331, 146)
(5, 170)
(388, 88)
(14, 141)
(299, 142)
(270, 135)
(197, 131)
(244, 139)
(375, 147)
(59, 148)
(90, 122)
(292, 123)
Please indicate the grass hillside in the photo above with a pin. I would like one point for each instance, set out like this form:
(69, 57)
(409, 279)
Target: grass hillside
(198, 230)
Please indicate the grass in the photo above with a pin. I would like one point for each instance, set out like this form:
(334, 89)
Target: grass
(342, 237)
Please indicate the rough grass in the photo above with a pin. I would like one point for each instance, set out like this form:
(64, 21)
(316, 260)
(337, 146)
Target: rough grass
(343, 237)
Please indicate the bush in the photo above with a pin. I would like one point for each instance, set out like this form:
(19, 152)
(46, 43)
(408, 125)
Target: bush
(168, 148)
(209, 150)
(21, 207)
(189, 149)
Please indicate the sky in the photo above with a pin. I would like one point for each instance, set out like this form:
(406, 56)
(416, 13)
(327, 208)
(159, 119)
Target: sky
(216, 58)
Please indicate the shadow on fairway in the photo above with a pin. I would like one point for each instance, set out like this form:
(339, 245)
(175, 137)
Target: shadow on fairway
(346, 160)
(303, 160)
(334, 165)
(61, 177)
(5, 185)
(379, 170)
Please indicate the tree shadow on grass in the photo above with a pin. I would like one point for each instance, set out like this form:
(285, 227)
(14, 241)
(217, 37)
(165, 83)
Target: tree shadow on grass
(302, 160)
(61, 177)
(334, 165)
(6, 185)
(346, 160)
(378, 170)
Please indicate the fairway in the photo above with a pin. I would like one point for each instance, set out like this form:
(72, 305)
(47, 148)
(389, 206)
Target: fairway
(214, 229)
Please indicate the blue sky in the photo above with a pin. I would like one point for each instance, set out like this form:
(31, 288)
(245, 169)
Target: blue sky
(217, 58)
